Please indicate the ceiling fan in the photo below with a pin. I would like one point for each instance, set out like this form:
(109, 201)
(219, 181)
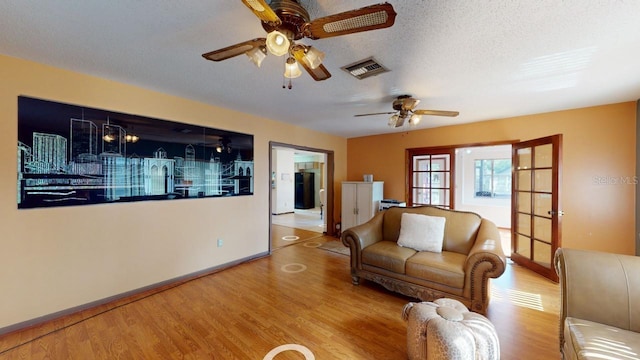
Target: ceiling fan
(286, 21)
(405, 107)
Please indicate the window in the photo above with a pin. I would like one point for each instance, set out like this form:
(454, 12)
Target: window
(431, 176)
(492, 178)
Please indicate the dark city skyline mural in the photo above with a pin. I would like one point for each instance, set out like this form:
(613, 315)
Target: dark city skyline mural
(75, 155)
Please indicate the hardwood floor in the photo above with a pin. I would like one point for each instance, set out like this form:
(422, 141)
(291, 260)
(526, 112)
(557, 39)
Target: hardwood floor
(282, 236)
(301, 294)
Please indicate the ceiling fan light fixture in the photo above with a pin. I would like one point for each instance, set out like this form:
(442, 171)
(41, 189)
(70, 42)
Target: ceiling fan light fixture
(313, 57)
(393, 120)
(278, 43)
(406, 114)
(287, 21)
(291, 69)
(257, 54)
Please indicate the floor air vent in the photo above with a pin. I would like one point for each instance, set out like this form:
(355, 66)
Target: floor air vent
(365, 68)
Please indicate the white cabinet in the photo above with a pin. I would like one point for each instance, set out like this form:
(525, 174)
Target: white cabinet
(360, 201)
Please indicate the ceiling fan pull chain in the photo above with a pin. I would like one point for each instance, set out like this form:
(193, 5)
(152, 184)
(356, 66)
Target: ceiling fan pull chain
(284, 78)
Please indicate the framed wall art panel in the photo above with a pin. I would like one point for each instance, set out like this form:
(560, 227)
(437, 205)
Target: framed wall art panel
(75, 155)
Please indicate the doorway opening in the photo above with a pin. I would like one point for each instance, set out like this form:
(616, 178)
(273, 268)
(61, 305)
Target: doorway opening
(483, 185)
(301, 197)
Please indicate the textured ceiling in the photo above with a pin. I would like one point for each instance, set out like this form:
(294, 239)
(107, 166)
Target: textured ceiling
(485, 59)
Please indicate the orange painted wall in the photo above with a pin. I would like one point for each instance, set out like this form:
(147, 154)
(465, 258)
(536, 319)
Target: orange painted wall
(599, 146)
(54, 259)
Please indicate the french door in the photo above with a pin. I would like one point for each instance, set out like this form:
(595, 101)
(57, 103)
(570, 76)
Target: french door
(536, 208)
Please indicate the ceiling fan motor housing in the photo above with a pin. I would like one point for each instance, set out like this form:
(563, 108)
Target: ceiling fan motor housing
(404, 103)
(293, 17)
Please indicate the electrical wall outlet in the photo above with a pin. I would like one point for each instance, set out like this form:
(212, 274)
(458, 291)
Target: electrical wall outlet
(220, 242)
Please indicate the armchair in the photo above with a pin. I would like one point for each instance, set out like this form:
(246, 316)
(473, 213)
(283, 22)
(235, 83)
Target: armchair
(599, 316)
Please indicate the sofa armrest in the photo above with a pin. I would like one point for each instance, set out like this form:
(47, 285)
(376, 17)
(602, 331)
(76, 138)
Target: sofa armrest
(359, 237)
(485, 260)
(365, 234)
(487, 247)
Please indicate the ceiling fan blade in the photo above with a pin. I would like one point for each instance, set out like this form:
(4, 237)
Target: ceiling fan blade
(319, 73)
(437, 112)
(380, 113)
(367, 18)
(234, 50)
(263, 11)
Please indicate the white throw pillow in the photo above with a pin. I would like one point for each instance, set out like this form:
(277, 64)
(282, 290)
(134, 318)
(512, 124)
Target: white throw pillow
(422, 232)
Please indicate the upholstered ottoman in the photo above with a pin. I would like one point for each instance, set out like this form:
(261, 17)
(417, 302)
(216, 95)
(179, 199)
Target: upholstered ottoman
(445, 329)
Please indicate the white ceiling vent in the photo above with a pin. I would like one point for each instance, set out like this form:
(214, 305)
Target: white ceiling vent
(365, 68)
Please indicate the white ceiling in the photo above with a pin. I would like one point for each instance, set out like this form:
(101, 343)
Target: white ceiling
(486, 59)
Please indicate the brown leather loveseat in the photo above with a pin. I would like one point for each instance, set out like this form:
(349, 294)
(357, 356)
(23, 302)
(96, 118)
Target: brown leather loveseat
(471, 254)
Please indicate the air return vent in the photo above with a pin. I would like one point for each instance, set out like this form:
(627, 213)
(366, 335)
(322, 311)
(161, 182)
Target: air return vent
(365, 68)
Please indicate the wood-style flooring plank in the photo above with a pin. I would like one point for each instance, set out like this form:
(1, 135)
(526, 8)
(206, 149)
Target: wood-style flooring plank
(301, 294)
(282, 236)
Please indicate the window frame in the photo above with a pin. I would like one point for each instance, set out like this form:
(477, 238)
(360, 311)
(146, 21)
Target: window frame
(431, 153)
(492, 179)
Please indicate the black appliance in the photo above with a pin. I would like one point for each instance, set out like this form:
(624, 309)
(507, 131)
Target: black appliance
(304, 187)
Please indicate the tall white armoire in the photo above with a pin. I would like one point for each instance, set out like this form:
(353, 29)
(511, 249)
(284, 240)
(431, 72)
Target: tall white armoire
(360, 201)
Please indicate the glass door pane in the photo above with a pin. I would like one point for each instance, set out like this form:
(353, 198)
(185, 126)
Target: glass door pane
(431, 177)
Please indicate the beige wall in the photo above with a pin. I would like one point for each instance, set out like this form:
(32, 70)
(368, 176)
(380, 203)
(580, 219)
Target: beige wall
(599, 150)
(59, 258)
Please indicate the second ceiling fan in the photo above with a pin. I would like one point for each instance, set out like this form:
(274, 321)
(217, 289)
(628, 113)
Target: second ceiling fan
(405, 108)
(286, 21)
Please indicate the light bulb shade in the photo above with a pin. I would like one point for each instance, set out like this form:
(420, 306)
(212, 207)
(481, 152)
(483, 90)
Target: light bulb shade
(415, 119)
(393, 120)
(257, 54)
(313, 57)
(130, 138)
(278, 43)
(291, 69)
